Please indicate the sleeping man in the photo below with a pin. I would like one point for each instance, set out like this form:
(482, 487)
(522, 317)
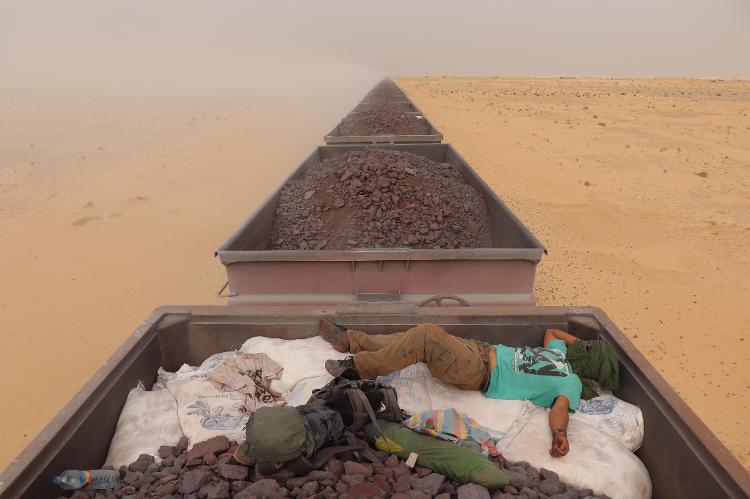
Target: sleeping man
(549, 376)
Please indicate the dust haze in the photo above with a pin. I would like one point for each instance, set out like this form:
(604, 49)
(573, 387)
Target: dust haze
(295, 48)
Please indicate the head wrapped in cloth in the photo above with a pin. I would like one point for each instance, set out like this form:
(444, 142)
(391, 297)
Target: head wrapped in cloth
(595, 361)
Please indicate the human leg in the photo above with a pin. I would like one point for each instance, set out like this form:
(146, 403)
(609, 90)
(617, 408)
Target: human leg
(449, 358)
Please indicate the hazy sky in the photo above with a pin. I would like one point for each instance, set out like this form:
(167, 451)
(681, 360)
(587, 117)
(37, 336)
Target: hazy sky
(237, 43)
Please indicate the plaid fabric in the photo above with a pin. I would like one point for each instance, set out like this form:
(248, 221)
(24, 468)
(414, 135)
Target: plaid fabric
(455, 427)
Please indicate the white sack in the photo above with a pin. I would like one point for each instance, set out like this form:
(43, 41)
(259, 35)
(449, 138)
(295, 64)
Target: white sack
(304, 388)
(215, 360)
(596, 461)
(615, 417)
(163, 378)
(411, 386)
(205, 411)
(147, 421)
(419, 391)
(301, 359)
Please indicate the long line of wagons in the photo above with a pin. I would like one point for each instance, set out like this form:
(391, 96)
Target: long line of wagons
(484, 293)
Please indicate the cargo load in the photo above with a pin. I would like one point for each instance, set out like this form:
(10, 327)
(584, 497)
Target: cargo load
(385, 91)
(515, 428)
(501, 272)
(385, 116)
(384, 124)
(376, 198)
(79, 436)
(404, 106)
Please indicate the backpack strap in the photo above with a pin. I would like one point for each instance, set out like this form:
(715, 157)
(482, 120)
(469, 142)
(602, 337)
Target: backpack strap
(365, 449)
(302, 465)
(360, 408)
(373, 418)
(393, 411)
(365, 404)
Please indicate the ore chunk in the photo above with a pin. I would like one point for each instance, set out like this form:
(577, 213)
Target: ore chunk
(364, 490)
(550, 487)
(215, 445)
(166, 489)
(233, 471)
(549, 475)
(430, 484)
(518, 480)
(140, 465)
(309, 489)
(355, 468)
(166, 451)
(216, 490)
(473, 491)
(194, 480)
(262, 488)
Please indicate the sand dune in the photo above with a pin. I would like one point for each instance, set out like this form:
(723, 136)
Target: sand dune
(640, 189)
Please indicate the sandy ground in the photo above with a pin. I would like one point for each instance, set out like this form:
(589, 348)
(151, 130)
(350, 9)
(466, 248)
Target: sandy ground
(640, 189)
(110, 207)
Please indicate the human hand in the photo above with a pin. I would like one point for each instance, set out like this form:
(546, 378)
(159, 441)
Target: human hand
(560, 445)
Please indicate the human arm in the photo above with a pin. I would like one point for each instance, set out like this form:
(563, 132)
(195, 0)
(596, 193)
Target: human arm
(556, 334)
(558, 419)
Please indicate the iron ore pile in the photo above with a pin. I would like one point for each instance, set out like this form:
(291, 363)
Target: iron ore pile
(383, 121)
(207, 472)
(378, 198)
(385, 91)
(399, 107)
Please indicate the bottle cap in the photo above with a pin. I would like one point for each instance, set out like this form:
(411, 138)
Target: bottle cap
(56, 479)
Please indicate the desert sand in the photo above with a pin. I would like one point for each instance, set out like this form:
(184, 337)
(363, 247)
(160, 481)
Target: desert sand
(112, 206)
(640, 189)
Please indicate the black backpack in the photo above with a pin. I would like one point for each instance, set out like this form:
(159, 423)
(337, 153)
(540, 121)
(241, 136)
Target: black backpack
(360, 401)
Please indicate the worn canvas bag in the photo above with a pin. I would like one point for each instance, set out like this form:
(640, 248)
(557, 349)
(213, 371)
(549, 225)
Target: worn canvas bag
(360, 401)
(299, 438)
(278, 434)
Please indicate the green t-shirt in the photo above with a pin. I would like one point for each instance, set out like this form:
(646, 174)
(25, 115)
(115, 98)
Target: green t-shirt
(537, 374)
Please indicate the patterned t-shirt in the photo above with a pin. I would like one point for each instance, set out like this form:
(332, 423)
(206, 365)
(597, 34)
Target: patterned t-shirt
(537, 374)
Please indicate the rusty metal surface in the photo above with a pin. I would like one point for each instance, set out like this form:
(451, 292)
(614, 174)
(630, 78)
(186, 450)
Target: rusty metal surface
(501, 274)
(684, 458)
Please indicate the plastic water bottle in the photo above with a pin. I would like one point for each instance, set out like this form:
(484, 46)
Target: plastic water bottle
(76, 479)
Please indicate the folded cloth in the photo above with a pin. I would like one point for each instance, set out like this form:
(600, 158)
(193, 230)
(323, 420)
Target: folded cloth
(250, 374)
(455, 427)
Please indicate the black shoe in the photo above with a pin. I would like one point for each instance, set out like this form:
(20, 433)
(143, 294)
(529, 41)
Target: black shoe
(336, 368)
(334, 334)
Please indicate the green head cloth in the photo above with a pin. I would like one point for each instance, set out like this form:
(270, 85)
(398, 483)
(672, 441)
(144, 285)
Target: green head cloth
(595, 361)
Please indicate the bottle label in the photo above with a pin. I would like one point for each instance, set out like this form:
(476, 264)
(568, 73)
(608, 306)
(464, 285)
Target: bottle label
(86, 477)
